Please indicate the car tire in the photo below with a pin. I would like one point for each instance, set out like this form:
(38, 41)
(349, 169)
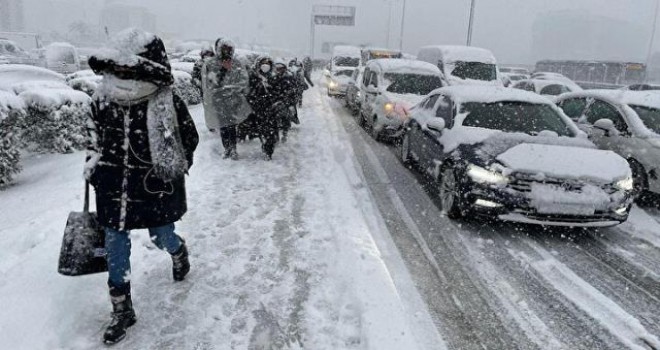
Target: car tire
(640, 182)
(404, 150)
(450, 193)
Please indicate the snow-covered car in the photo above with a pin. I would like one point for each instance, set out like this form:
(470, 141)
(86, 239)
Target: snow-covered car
(390, 87)
(515, 70)
(626, 122)
(62, 58)
(462, 65)
(344, 56)
(353, 94)
(338, 81)
(509, 79)
(642, 87)
(515, 156)
(55, 113)
(11, 53)
(546, 87)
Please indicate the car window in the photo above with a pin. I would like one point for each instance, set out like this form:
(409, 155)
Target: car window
(475, 71)
(374, 79)
(649, 116)
(430, 102)
(444, 110)
(365, 77)
(529, 118)
(574, 107)
(603, 110)
(418, 84)
(524, 86)
(554, 90)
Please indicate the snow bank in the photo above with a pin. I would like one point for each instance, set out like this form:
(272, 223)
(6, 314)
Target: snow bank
(566, 162)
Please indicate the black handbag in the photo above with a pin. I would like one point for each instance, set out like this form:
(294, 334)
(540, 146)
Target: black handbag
(83, 246)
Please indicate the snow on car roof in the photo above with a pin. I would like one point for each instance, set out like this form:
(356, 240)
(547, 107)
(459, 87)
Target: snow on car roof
(490, 94)
(641, 98)
(11, 74)
(346, 51)
(457, 53)
(398, 65)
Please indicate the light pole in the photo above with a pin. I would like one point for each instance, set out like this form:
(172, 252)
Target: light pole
(403, 23)
(471, 23)
(654, 28)
(389, 24)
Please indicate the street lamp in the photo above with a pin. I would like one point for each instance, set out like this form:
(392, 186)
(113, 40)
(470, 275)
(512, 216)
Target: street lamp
(471, 23)
(403, 22)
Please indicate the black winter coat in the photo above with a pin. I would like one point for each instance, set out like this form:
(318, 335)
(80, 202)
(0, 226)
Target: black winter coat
(285, 89)
(128, 194)
(261, 95)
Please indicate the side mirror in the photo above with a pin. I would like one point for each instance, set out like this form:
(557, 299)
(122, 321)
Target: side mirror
(436, 124)
(607, 126)
(372, 90)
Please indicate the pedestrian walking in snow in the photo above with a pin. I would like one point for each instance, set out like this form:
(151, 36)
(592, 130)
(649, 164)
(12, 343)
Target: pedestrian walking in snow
(261, 98)
(225, 84)
(141, 144)
(307, 69)
(197, 69)
(297, 70)
(285, 95)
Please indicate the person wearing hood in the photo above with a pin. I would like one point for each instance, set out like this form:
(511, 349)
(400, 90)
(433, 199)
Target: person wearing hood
(285, 95)
(261, 98)
(296, 69)
(308, 65)
(225, 84)
(141, 144)
(197, 69)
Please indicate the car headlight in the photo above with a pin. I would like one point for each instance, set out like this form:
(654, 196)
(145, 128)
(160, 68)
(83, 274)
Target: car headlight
(333, 84)
(625, 184)
(358, 94)
(389, 107)
(482, 175)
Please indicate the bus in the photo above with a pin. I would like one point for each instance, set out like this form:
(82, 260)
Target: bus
(597, 74)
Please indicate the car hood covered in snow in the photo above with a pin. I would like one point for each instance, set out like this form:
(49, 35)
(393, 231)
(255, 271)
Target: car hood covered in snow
(565, 162)
(405, 100)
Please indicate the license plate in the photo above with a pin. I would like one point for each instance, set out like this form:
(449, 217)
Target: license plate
(564, 208)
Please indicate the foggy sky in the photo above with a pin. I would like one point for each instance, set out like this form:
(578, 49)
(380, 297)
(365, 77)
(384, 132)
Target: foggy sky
(503, 26)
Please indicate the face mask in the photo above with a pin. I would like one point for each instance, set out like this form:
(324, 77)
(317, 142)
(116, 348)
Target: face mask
(265, 68)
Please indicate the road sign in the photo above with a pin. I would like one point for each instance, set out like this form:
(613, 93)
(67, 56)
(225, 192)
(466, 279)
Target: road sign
(331, 15)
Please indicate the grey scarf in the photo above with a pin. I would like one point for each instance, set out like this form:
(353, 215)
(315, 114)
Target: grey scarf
(165, 145)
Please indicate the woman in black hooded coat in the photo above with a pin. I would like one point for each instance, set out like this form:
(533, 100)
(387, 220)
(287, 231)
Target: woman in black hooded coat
(142, 140)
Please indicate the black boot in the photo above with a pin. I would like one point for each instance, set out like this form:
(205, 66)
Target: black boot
(123, 316)
(180, 263)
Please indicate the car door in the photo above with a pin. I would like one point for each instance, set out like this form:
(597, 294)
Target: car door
(366, 77)
(600, 109)
(432, 149)
(371, 97)
(420, 114)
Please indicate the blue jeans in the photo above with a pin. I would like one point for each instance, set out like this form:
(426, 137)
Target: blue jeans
(118, 247)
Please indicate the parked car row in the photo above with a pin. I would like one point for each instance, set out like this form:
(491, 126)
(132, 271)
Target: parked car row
(578, 159)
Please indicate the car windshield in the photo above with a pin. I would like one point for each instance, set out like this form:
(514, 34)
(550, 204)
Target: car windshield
(417, 84)
(475, 71)
(649, 116)
(343, 73)
(347, 61)
(528, 118)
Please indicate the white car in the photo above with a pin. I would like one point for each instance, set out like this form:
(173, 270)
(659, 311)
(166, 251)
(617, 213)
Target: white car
(546, 87)
(513, 155)
(62, 58)
(389, 88)
(463, 65)
(509, 79)
(626, 122)
(338, 81)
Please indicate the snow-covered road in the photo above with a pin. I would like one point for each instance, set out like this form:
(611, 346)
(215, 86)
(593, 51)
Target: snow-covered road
(332, 245)
(285, 254)
(505, 286)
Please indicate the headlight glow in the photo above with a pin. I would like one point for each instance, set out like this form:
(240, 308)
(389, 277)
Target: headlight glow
(482, 175)
(625, 184)
(389, 107)
(333, 84)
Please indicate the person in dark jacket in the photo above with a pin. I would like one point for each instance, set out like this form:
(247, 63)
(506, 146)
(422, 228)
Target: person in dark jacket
(262, 98)
(141, 144)
(297, 70)
(197, 69)
(307, 69)
(285, 95)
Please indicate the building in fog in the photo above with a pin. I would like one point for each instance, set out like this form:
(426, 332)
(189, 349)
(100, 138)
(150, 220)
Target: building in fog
(579, 35)
(118, 16)
(11, 15)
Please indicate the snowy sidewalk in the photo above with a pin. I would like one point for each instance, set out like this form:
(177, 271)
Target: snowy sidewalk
(283, 256)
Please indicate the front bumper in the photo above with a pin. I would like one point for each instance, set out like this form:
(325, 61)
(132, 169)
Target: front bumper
(513, 203)
(338, 90)
(389, 127)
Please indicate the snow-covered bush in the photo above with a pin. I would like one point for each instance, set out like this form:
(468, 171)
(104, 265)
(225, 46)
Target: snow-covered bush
(55, 119)
(12, 114)
(184, 86)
